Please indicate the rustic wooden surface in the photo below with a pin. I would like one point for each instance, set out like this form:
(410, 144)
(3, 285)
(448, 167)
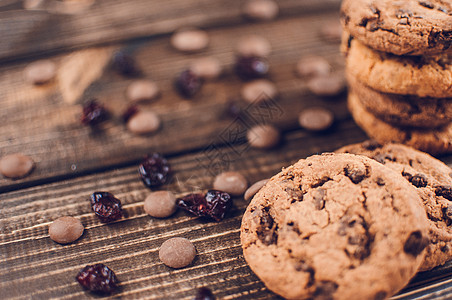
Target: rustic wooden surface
(197, 135)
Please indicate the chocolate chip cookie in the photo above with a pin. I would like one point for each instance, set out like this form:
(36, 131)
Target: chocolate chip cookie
(433, 182)
(403, 110)
(411, 75)
(335, 226)
(434, 141)
(408, 27)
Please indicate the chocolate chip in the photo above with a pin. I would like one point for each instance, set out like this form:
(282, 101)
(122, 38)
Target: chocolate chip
(254, 45)
(419, 180)
(142, 90)
(426, 4)
(190, 40)
(143, 122)
(445, 191)
(356, 175)
(371, 145)
(448, 212)
(415, 243)
(403, 13)
(302, 266)
(253, 189)
(267, 230)
(327, 85)
(295, 194)
(66, 230)
(380, 295)
(316, 118)
(263, 136)
(207, 67)
(40, 72)
(382, 157)
(160, 204)
(262, 10)
(321, 181)
(313, 66)
(325, 289)
(258, 91)
(233, 183)
(380, 181)
(177, 252)
(16, 165)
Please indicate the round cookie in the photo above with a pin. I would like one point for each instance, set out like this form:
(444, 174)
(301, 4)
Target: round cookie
(335, 226)
(433, 182)
(402, 27)
(434, 141)
(403, 110)
(420, 76)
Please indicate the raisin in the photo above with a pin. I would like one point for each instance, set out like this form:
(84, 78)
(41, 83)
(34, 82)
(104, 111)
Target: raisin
(419, 180)
(154, 170)
(250, 67)
(188, 83)
(125, 65)
(106, 206)
(214, 204)
(415, 243)
(129, 112)
(98, 278)
(93, 113)
(204, 294)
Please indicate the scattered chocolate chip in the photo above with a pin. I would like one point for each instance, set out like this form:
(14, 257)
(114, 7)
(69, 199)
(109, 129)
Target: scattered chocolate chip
(143, 122)
(177, 252)
(380, 181)
(214, 204)
(106, 207)
(382, 157)
(204, 294)
(258, 91)
(66, 230)
(40, 72)
(160, 204)
(313, 66)
(98, 278)
(403, 13)
(294, 193)
(190, 40)
(232, 183)
(262, 10)
(419, 180)
(445, 191)
(142, 90)
(253, 189)
(415, 243)
(356, 175)
(16, 165)
(254, 45)
(93, 113)
(125, 64)
(319, 198)
(263, 136)
(327, 86)
(316, 118)
(154, 170)
(251, 67)
(188, 83)
(206, 67)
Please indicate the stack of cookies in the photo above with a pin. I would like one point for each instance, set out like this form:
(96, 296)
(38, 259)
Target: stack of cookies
(355, 224)
(399, 69)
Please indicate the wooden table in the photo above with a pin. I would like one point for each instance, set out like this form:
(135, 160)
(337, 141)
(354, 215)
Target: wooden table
(198, 136)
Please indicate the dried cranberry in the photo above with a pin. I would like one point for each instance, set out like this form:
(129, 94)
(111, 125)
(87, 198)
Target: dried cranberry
(204, 294)
(129, 112)
(188, 83)
(249, 67)
(106, 206)
(125, 64)
(98, 278)
(154, 170)
(214, 204)
(93, 113)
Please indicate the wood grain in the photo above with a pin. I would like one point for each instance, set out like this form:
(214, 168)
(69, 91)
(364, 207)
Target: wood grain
(38, 122)
(37, 32)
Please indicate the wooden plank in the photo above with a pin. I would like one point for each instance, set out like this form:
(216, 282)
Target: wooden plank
(31, 265)
(38, 122)
(37, 32)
